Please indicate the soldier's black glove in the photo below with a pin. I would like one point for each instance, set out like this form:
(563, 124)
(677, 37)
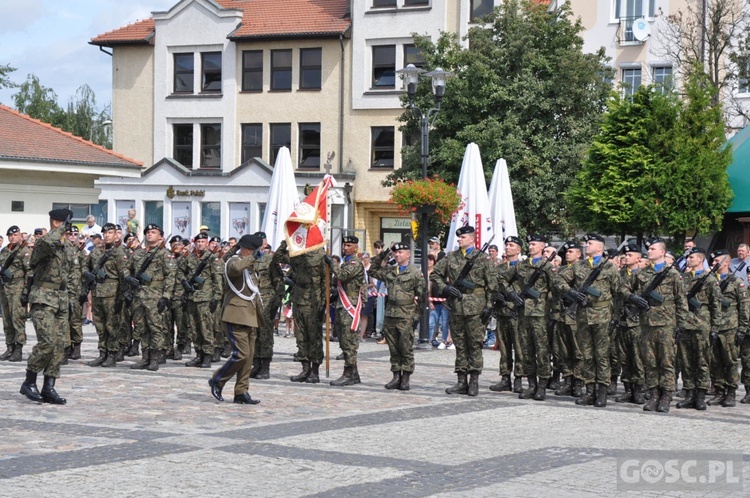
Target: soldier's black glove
(450, 291)
(576, 296)
(638, 301)
(133, 282)
(713, 336)
(24, 299)
(88, 276)
(258, 253)
(213, 305)
(71, 309)
(328, 260)
(485, 315)
(500, 300)
(163, 305)
(516, 299)
(678, 333)
(414, 322)
(282, 248)
(187, 286)
(739, 338)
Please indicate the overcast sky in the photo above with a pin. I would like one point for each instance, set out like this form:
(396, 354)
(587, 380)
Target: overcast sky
(49, 38)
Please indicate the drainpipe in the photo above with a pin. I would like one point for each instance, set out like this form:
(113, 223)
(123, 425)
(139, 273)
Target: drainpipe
(341, 105)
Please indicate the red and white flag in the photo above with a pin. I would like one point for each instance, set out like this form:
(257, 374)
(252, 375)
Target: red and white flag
(306, 228)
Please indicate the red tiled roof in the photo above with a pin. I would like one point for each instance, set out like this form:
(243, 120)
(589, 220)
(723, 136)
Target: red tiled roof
(260, 19)
(23, 137)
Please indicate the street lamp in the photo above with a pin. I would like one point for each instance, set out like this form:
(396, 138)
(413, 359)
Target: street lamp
(410, 75)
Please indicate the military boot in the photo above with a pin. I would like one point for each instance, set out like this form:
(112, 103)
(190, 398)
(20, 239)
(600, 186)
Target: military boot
(664, 402)
(153, 360)
(541, 389)
(170, 352)
(529, 393)
(700, 399)
(612, 388)
(8, 352)
(111, 360)
(300, 377)
(226, 350)
(66, 356)
(729, 401)
(460, 387)
(133, 351)
(177, 354)
(217, 355)
(17, 353)
(264, 372)
(355, 375)
(517, 385)
(206, 362)
(589, 396)
(120, 356)
(405, 381)
(313, 378)
(503, 385)
(638, 394)
(76, 353)
(689, 401)
(653, 400)
(473, 388)
(746, 399)
(49, 395)
(577, 391)
(601, 395)
(627, 396)
(195, 362)
(98, 362)
(719, 398)
(566, 388)
(141, 365)
(341, 381)
(395, 381)
(554, 381)
(162, 356)
(29, 389)
(255, 368)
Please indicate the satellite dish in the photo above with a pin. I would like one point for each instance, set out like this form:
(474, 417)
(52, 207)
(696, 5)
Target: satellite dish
(641, 29)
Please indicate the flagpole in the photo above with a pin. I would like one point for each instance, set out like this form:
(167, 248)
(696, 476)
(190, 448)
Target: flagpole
(328, 318)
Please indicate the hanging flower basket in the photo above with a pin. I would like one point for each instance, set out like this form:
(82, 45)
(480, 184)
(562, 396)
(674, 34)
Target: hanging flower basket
(431, 195)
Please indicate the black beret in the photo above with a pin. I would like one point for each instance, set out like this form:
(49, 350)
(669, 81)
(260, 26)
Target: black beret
(215, 239)
(61, 214)
(611, 253)
(536, 237)
(71, 229)
(128, 236)
(632, 247)
(95, 236)
(262, 235)
(717, 253)
(644, 254)
(571, 244)
(653, 240)
(250, 241)
(12, 230)
(669, 254)
(464, 229)
(516, 240)
(350, 239)
(109, 226)
(38, 231)
(153, 226)
(176, 239)
(202, 235)
(399, 246)
(118, 227)
(593, 236)
(696, 250)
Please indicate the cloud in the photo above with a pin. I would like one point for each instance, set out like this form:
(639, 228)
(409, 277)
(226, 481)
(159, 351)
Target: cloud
(19, 16)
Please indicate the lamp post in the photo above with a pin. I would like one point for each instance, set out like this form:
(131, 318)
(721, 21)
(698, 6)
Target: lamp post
(410, 75)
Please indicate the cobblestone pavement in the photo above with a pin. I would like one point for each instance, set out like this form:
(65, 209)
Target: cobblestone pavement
(126, 432)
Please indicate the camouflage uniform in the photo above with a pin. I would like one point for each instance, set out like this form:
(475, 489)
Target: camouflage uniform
(49, 298)
(14, 313)
(508, 338)
(176, 317)
(734, 316)
(351, 274)
(130, 331)
(570, 349)
(271, 286)
(694, 340)
(402, 310)
(75, 324)
(220, 334)
(200, 316)
(107, 319)
(156, 282)
(628, 339)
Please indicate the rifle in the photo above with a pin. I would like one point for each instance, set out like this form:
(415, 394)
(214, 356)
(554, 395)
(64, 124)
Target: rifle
(587, 287)
(725, 283)
(5, 275)
(461, 283)
(195, 279)
(528, 289)
(650, 291)
(141, 277)
(98, 272)
(693, 303)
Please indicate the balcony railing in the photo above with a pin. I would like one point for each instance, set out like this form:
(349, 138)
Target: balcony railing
(625, 31)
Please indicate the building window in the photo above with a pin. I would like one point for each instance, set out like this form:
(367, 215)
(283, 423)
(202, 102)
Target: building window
(211, 68)
(210, 146)
(310, 62)
(414, 3)
(183, 144)
(211, 217)
(252, 141)
(183, 73)
(413, 55)
(631, 80)
(481, 8)
(663, 78)
(252, 71)
(309, 145)
(80, 211)
(281, 136)
(383, 3)
(382, 146)
(281, 69)
(153, 212)
(384, 66)
(633, 9)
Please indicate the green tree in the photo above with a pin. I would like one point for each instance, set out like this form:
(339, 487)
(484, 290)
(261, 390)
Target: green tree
(5, 81)
(525, 91)
(39, 102)
(84, 119)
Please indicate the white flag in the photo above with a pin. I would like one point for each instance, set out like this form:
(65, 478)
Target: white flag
(283, 199)
(501, 204)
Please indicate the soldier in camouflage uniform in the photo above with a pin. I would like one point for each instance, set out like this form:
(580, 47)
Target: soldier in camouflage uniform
(594, 314)
(470, 301)
(508, 340)
(130, 334)
(533, 322)
(308, 307)
(566, 337)
(49, 299)
(220, 335)
(554, 312)
(731, 329)
(349, 279)
(176, 317)
(628, 335)
(662, 315)
(405, 285)
(12, 282)
(75, 336)
(203, 293)
(107, 266)
(704, 314)
(153, 281)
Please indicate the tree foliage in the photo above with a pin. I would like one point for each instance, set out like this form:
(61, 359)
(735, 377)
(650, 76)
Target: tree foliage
(657, 166)
(524, 91)
(5, 81)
